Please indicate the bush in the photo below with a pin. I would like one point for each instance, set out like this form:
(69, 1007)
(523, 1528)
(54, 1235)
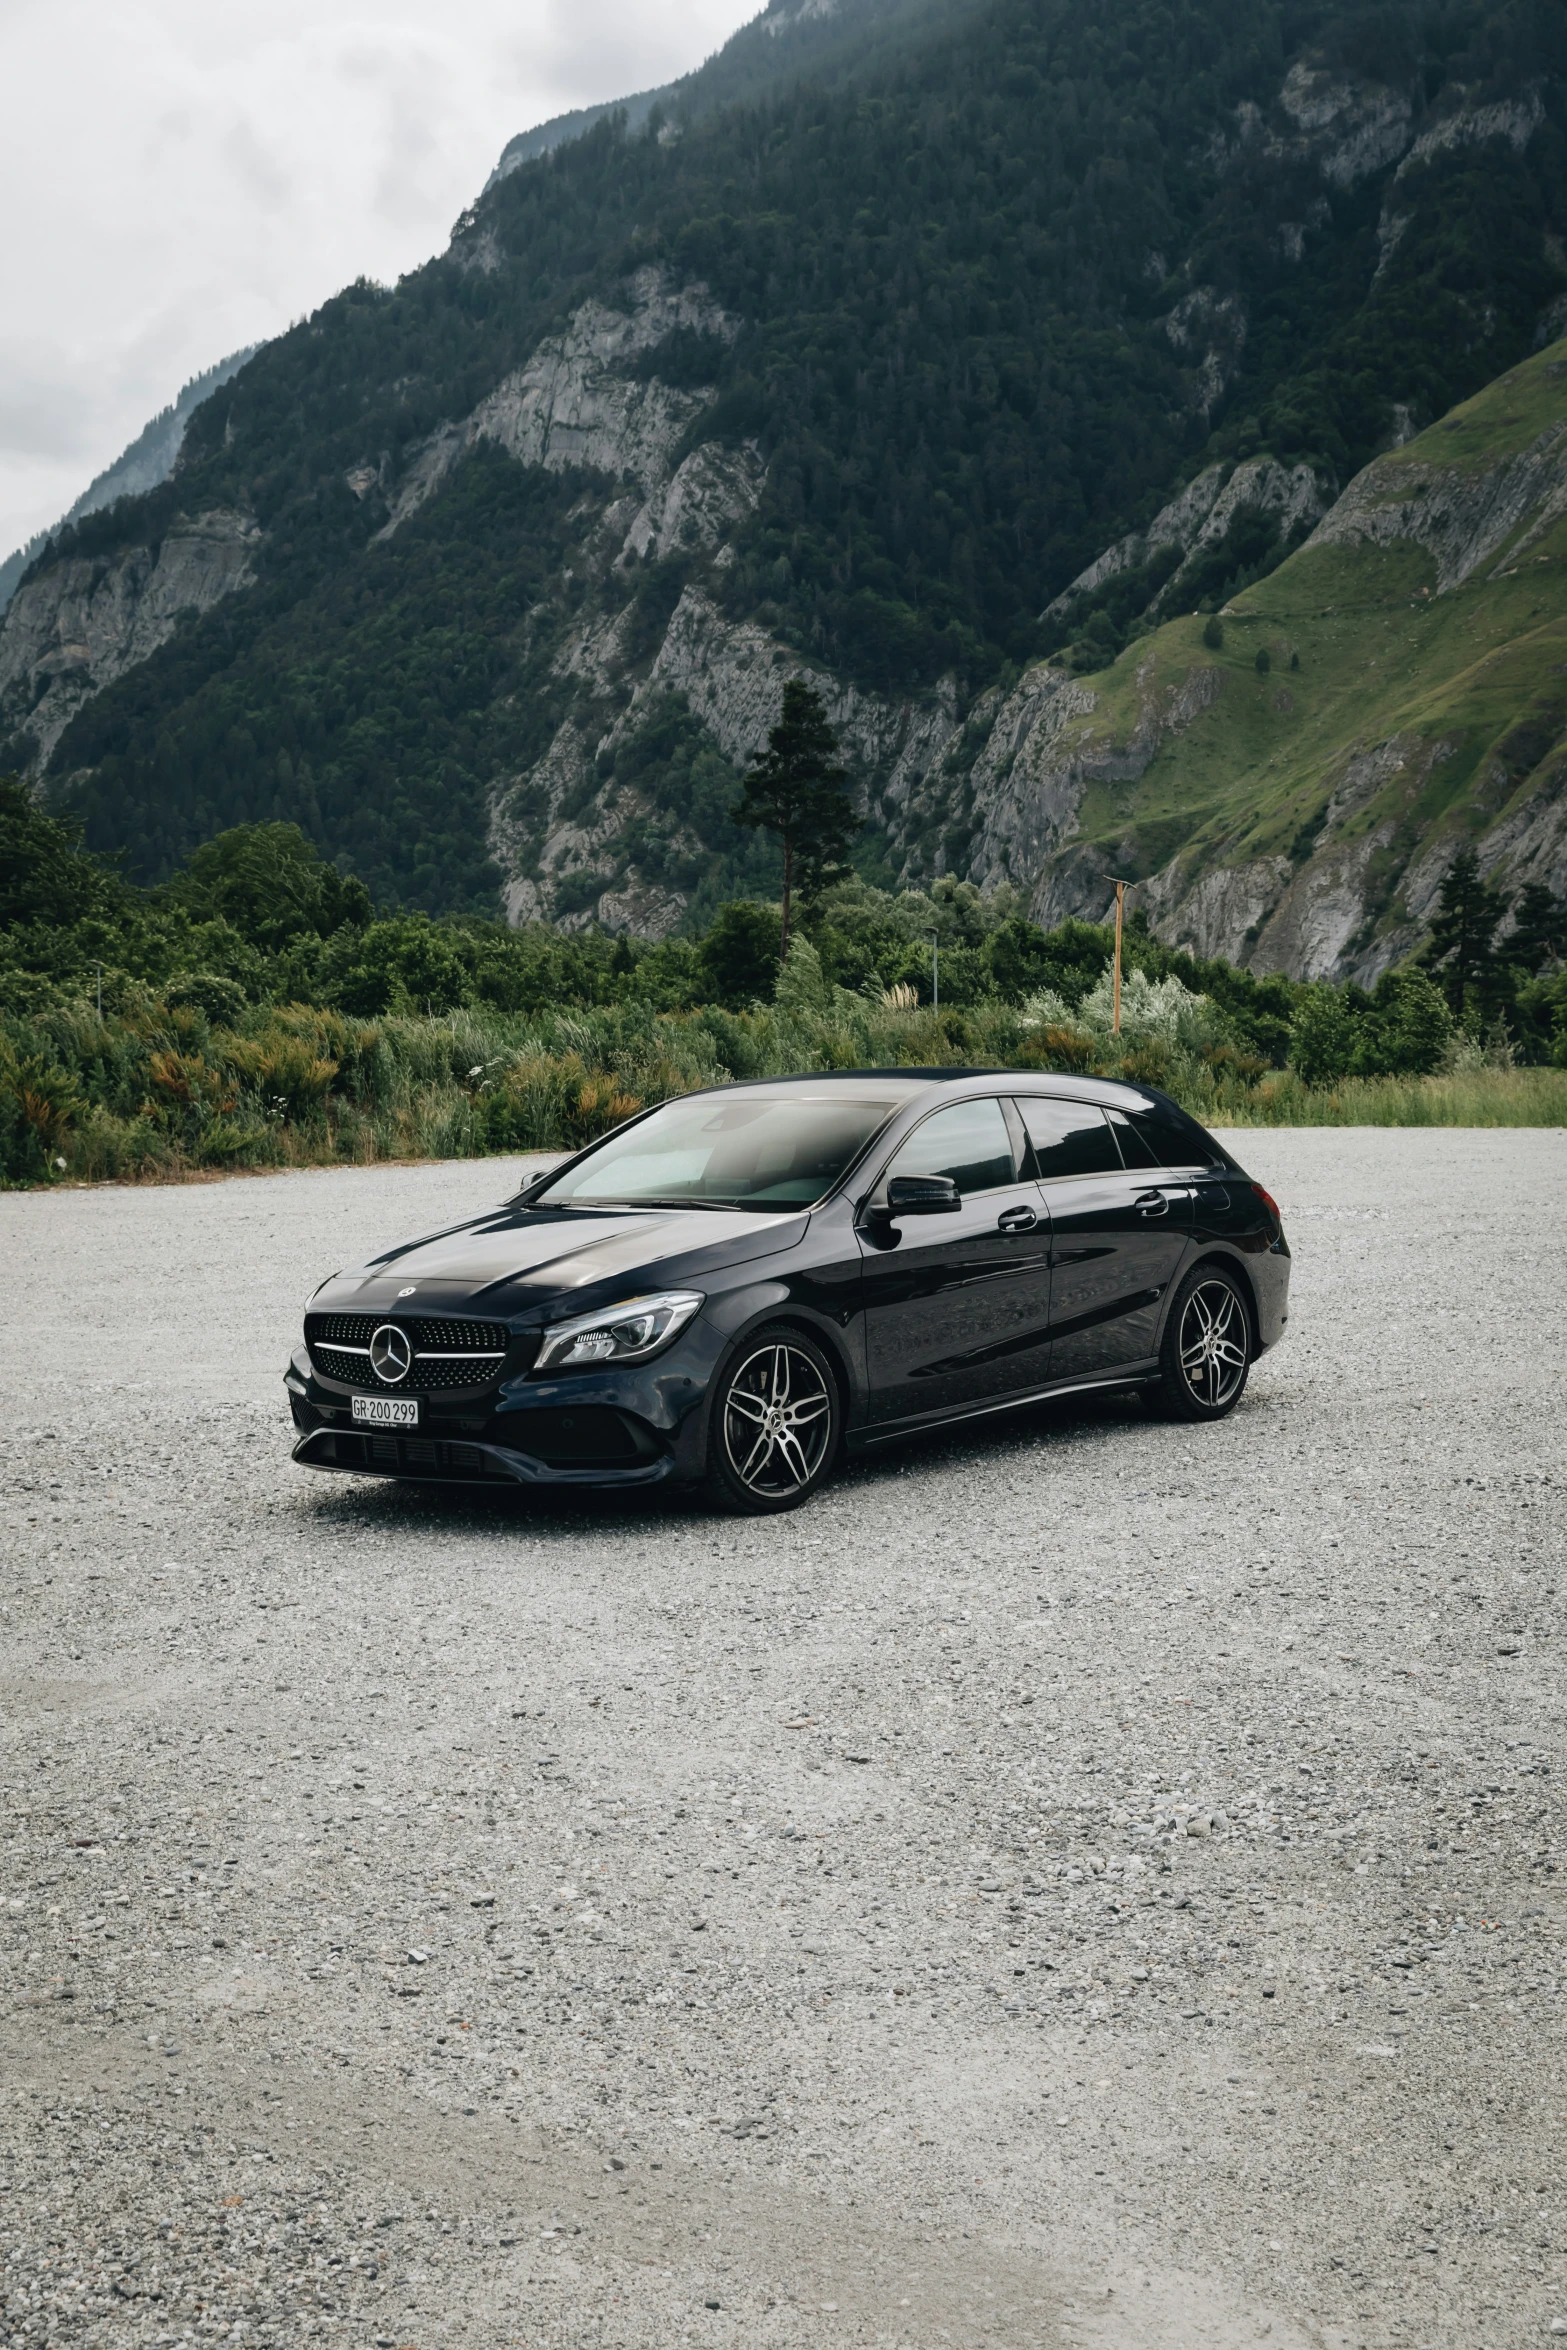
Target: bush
(1402, 1030)
(40, 1106)
(407, 965)
(1322, 1036)
(739, 955)
(1409, 1027)
(219, 1001)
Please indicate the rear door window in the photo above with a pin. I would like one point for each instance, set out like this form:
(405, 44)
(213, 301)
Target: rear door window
(1067, 1138)
(969, 1142)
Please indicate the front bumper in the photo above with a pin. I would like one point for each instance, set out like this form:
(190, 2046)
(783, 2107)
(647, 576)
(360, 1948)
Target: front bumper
(634, 1426)
(365, 1452)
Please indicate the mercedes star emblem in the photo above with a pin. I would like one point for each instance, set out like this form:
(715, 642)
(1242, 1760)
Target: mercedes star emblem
(391, 1356)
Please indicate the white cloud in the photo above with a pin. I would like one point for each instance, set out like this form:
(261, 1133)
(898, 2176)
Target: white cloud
(182, 177)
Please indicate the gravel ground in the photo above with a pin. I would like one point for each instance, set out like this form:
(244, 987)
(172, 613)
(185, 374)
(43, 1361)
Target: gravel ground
(1084, 1882)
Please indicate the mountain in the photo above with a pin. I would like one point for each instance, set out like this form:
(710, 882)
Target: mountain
(1292, 796)
(951, 354)
(831, 41)
(148, 461)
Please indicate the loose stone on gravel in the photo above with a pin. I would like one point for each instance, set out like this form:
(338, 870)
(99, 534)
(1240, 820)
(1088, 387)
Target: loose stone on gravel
(1122, 1909)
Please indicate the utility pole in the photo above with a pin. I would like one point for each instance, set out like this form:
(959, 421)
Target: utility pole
(935, 969)
(1120, 912)
(1121, 888)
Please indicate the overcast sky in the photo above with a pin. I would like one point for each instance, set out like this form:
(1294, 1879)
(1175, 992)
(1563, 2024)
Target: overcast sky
(182, 177)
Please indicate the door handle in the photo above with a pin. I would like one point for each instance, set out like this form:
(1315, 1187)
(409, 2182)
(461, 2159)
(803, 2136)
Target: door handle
(1152, 1203)
(1016, 1220)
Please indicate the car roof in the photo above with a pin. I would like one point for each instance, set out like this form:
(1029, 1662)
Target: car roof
(907, 1084)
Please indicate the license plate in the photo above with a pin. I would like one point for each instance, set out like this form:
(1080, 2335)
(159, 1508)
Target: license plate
(386, 1411)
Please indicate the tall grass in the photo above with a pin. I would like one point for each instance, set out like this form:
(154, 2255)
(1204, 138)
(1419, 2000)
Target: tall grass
(1470, 1097)
(156, 1093)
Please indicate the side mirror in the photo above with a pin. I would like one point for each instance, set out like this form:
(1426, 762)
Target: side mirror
(922, 1195)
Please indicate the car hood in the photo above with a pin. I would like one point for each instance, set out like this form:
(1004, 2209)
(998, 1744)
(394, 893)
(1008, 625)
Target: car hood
(519, 1258)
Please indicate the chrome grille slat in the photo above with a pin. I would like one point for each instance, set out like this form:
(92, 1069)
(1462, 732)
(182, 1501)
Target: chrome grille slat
(353, 1370)
(446, 1353)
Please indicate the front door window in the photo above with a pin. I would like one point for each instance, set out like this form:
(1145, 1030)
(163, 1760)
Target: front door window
(969, 1143)
(957, 1305)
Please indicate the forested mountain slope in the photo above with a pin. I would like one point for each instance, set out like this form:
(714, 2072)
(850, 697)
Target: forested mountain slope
(1030, 324)
(1292, 794)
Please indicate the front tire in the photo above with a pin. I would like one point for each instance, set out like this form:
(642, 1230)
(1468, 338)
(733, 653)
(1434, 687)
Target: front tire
(1206, 1356)
(776, 1418)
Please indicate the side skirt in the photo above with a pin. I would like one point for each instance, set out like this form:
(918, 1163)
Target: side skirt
(1135, 1375)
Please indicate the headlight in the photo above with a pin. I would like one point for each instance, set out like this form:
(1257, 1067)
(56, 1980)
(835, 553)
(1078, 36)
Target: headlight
(626, 1333)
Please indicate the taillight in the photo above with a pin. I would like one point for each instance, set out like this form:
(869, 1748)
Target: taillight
(1269, 1202)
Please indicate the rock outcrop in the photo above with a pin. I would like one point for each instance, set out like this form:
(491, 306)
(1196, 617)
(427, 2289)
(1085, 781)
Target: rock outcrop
(1199, 518)
(149, 461)
(83, 622)
(580, 400)
(1464, 515)
(1484, 497)
(1349, 128)
(1047, 747)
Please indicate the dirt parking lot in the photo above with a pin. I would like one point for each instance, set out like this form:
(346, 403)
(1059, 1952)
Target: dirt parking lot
(1083, 1882)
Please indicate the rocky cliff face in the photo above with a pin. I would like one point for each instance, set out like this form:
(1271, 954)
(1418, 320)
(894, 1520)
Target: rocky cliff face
(1467, 647)
(1461, 515)
(579, 402)
(556, 825)
(82, 623)
(1204, 514)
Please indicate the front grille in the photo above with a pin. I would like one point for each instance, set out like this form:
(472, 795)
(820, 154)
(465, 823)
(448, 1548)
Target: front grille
(446, 1354)
(451, 1337)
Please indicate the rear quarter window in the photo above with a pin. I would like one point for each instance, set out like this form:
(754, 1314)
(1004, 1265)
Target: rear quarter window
(1160, 1137)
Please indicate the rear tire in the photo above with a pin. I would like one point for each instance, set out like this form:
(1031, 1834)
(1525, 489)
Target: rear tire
(1206, 1356)
(775, 1426)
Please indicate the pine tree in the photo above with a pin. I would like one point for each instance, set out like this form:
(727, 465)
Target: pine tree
(1539, 932)
(795, 789)
(1462, 930)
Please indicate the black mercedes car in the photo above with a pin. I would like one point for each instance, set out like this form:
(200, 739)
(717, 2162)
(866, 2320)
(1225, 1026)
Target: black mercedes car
(744, 1284)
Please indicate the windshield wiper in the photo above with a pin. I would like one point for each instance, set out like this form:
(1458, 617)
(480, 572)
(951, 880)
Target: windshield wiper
(732, 1206)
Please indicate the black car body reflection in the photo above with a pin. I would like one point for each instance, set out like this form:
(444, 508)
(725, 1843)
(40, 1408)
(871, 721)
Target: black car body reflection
(742, 1285)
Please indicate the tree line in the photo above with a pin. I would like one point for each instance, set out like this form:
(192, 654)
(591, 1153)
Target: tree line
(257, 916)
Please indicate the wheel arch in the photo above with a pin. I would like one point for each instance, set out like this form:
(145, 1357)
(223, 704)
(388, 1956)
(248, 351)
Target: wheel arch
(821, 1333)
(786, 1314)
(1235, 1265)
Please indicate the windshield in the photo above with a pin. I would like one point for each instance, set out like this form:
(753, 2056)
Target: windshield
(757, 1151)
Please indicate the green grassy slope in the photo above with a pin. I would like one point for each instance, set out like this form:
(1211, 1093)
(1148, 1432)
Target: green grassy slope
(1393, 714)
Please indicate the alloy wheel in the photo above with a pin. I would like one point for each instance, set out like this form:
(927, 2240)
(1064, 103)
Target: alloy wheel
(777, 1421)
(1213, 1344)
